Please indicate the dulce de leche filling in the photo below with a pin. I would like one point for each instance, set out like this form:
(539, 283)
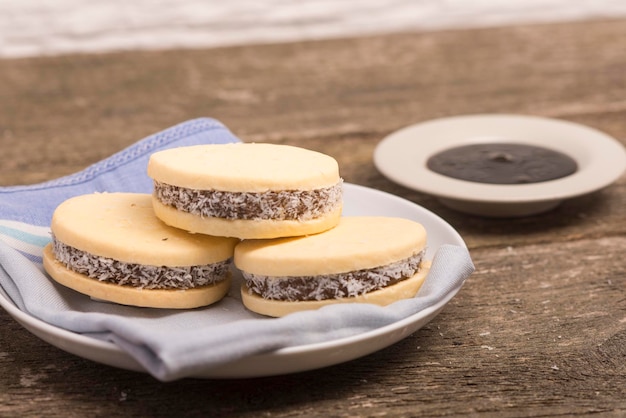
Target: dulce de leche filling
(300, 205)
(141, 276)
(332, 286)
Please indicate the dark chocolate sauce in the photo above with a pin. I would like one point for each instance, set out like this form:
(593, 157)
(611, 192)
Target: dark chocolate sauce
(502, 163)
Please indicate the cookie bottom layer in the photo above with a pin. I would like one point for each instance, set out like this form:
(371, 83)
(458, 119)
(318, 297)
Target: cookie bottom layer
(244, 229)
(405, 289)
(132, 296)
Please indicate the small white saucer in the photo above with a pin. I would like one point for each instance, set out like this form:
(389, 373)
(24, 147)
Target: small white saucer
(402, 156)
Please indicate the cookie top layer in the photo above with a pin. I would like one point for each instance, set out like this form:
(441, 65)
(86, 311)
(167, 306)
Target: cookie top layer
(356, 243)
(244, 167)
(123, 226)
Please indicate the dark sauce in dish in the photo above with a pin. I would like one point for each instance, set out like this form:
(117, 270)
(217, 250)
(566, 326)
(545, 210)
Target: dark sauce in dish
(502, 163)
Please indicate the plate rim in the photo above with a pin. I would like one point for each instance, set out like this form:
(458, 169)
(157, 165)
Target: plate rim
(68, 340)
(594, 171)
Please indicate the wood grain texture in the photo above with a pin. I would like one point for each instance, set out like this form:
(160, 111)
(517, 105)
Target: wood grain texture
(538, 330)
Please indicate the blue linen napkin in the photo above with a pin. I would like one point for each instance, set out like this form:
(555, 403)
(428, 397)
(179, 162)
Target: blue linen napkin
(173, 344)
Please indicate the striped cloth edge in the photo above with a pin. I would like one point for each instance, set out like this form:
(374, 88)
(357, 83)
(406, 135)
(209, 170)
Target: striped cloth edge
(28, 239)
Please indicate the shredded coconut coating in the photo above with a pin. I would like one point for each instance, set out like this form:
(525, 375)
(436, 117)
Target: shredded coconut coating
(140, 276)
(300, 205)
(332, 286)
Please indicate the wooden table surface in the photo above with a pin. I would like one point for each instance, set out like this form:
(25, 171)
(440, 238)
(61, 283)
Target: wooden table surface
(538, 330)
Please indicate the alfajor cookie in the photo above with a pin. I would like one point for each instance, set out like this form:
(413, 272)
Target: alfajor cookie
(112, 247)
(376, 260)
(246, 190)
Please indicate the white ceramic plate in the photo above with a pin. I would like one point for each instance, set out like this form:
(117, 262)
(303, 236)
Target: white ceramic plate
(402, 157)
(358, 201)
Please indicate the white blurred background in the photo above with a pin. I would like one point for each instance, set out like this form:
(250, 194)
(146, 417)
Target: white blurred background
(52, 27)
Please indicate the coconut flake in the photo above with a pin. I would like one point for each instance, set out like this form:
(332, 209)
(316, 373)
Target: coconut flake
(141, 276)
(332, 286)
(300, 205)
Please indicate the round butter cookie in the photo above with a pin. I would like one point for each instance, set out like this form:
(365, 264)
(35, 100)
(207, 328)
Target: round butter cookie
(376, 260)
(246, 190)
(112, 247)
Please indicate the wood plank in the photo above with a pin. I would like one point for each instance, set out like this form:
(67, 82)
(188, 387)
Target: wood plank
(372, 86)
(538, 330)
(524, 334)
(359, 91)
